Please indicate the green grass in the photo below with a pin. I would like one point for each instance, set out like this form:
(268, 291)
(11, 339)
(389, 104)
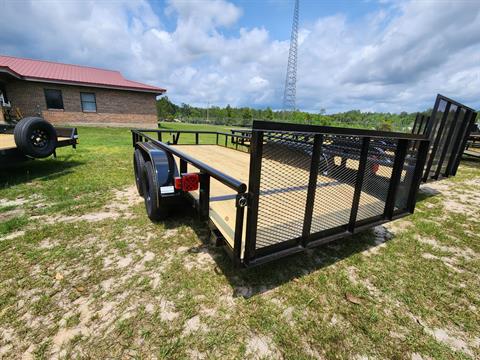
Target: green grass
(120, 286)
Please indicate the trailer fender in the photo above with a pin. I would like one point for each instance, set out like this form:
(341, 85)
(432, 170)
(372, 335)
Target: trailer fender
(164, 164)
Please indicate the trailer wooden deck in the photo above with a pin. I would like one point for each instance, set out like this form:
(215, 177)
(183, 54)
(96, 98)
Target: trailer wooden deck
(236, 164)
(7, 141)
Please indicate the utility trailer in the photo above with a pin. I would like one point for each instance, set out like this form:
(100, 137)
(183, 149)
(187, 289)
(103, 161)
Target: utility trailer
(31, 138)
(473, 144)
(280, 188)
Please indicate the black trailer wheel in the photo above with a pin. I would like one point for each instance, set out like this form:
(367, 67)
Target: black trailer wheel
(35, 137)
(156, 208)
(138, 164)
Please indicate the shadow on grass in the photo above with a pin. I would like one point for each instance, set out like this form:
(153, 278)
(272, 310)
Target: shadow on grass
(29, 170)
(426, 192)
(261, 279)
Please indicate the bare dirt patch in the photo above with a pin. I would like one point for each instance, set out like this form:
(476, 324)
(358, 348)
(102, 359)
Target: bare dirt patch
(455, 341)
(16, 202)
(262, 347)
(123, 200)
(193, 325)
(167, 310)
(465, 253)
(12, 235)
(201, 259)
(8, 215)
(64, 334)
(447, 261)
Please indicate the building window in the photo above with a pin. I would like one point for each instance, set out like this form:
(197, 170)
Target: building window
(89, 103)
(54, 99)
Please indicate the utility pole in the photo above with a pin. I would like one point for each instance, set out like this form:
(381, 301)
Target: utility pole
(289, 95)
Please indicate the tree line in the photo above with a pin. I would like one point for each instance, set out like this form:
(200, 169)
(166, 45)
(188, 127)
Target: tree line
(244, 116)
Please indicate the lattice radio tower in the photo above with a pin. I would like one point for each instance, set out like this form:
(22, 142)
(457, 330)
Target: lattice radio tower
(289, 95)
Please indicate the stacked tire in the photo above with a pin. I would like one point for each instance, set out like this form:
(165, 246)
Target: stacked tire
(35, 137)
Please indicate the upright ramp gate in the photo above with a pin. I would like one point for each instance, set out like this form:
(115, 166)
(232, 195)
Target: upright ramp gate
(448, 129)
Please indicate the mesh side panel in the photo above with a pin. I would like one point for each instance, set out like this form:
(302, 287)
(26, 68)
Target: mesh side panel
(284, 178)
(408, 169)
(336, 182)
(443, 138)
(458, 125)
(376, 181)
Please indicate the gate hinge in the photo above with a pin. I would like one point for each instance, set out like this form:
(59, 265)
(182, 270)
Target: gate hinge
(242, 200)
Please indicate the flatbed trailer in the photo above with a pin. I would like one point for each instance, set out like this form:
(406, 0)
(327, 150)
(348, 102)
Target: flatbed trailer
(11, 153)
(282, 188)
(473, 146)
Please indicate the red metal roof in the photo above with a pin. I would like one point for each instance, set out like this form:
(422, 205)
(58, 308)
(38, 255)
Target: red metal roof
(38, 70)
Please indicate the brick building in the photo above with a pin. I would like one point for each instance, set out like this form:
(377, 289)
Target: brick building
(63, 93)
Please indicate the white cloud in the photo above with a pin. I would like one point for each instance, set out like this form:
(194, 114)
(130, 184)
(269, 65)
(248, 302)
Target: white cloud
(394, 59)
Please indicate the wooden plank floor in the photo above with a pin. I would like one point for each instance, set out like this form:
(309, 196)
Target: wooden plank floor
(7, 141)
(278, 219)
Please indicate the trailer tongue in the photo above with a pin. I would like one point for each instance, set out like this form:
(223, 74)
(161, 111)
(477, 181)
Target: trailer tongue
(279, 189)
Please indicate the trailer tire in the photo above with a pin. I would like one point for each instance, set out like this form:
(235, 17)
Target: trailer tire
(138, 164)
(35, 137)
(156, 208)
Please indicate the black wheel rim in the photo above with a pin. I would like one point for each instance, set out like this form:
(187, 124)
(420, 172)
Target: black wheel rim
(39, 138)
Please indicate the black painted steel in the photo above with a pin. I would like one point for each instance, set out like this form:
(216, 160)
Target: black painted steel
(396, 176)
(254, 193)
(448, 134)
(204, 201)
(312, 184)
(359, 183)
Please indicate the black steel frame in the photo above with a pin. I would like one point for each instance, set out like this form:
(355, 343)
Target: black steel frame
(407, 144)
(436, 129)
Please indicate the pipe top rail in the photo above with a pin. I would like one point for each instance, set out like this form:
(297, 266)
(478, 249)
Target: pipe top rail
(191, 132)
(331, 130)
(218, 175)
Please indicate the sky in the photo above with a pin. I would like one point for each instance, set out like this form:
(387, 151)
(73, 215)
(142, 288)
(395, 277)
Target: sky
(388, 56)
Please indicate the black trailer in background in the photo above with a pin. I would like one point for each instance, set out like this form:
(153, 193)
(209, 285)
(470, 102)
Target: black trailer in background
(11, 154)
(473, 146)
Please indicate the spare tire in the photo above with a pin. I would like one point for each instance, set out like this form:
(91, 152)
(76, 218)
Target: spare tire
(35, 137)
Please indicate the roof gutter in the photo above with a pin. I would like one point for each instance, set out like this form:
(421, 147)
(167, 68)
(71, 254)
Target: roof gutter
(7, 70)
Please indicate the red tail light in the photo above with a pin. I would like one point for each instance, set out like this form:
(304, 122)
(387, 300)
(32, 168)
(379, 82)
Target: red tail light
(187, 182)
(178, 183)
(375, 168)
